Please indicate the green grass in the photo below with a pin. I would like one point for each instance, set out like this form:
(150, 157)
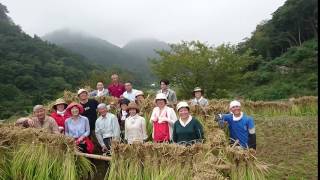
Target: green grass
(290, 144)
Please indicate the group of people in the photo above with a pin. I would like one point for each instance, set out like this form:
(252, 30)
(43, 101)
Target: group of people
(81, 122)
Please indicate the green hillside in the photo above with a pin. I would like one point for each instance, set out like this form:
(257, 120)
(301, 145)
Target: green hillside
(33, 71)
(286, 50)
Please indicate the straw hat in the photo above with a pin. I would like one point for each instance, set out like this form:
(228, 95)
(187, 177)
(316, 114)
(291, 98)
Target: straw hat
(71, 105)
(133, 105)
(182, 104)
(59, 101)
(196, 89)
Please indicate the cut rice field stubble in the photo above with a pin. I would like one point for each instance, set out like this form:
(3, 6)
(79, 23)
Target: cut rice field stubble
(290, 145)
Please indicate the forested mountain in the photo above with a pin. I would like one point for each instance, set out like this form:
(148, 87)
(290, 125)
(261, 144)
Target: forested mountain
(33, 71)
(286, 50)
(133, 57)
(279, 60)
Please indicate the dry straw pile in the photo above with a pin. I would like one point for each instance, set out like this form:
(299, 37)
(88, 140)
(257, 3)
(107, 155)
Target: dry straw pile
(27, 153)
(33, 154)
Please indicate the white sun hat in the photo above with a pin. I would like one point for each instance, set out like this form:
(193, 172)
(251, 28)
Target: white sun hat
(182, 104)
(234, 103)
(161, 96)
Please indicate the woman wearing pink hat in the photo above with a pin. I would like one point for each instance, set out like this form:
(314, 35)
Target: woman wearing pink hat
(78, 127)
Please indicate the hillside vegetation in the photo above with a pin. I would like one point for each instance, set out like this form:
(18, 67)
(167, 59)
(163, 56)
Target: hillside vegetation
(279, 60)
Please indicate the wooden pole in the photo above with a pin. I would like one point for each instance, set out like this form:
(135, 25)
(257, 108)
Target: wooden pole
(94, 156)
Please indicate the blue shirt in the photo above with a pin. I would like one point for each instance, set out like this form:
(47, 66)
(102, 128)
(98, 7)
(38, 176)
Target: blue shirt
(77, 128)
(239, 130)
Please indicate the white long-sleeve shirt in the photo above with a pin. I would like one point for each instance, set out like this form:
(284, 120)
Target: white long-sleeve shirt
(167, 115)
(135, 129)
(107, 127)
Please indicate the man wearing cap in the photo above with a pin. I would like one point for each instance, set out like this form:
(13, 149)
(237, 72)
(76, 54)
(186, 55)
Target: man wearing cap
(59, 113)
(241, 126)
(116, 88)
(107, 128)
(187, 130)
(39, 120)
(199, 100)
(170, 94)
(90, 108)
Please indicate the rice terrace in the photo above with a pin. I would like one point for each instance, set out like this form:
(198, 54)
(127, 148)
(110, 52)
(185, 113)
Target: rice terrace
(159, 90)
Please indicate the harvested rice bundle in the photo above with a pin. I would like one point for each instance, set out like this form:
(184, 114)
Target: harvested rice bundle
(70, 97)
(245, 165)
(28, 153)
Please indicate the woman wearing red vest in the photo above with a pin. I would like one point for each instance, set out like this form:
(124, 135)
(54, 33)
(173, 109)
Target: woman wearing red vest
(163, 118)
(59, 114)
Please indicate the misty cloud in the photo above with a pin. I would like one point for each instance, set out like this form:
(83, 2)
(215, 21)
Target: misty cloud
(119, 21)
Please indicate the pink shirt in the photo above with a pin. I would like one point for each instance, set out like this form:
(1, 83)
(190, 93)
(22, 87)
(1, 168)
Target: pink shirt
(116, 90)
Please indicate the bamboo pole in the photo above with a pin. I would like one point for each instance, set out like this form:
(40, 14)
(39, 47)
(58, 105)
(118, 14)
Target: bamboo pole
(94, 156)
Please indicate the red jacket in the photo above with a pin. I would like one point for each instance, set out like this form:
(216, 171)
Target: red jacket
(60, 119)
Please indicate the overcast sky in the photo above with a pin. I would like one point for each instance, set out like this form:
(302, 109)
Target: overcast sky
(119, 21)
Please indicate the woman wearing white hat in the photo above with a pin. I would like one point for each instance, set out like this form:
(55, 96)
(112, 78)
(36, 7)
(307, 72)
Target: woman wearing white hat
(163, 118)
(187, 130)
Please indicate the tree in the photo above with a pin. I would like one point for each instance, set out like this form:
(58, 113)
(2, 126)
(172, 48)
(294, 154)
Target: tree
(190, 64)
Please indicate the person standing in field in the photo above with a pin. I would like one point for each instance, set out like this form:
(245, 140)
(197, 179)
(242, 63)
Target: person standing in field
(107, 128)
(241, 126)
(199, 100)
(122, 115)
(39, 120)
(135, 125)
(130, 93)
(59, 113)
(89, 106)
(77, 127)
(100, 91)
(116, 89)
(162, 118)
(139, 97)
(170, 94)
(187, 130)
